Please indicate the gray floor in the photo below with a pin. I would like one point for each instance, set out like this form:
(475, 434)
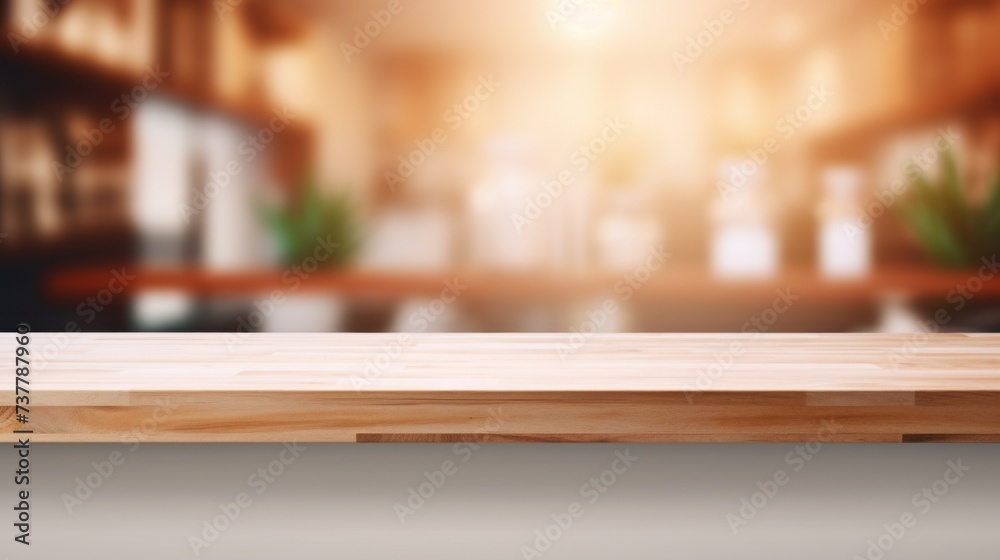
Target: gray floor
(498, 501)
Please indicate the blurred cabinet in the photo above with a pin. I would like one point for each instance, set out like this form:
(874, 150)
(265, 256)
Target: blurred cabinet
(78, 73)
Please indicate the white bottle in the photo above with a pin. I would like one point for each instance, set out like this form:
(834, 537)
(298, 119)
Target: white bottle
(627, 231)
(744, 241)
(844, 245)
(504, 232)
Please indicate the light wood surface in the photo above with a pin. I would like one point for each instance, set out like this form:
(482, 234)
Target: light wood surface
(509, 387)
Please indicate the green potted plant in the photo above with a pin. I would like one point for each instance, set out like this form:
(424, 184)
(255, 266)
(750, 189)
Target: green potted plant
(312, 216)
(314, 231)
(952, 230)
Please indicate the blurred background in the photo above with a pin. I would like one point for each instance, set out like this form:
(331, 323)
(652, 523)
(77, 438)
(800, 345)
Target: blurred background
(526, 165)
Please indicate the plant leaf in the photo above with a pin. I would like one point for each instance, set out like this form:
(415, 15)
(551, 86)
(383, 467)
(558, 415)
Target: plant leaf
(923, 212)
(991, 213)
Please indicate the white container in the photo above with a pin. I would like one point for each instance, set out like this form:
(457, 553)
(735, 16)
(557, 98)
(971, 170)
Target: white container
(744, 241)
(306, 313)
(627, 231)
(844, 245)
(509, 215)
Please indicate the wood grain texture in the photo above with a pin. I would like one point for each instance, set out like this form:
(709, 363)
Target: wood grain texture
(136, 388)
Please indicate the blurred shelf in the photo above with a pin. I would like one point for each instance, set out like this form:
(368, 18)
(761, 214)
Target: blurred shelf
(108, 240)
(683, 285)
(857, 135)
(77, 77)
(273, 22)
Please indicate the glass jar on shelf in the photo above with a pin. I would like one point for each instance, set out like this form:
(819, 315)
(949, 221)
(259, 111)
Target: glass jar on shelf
(744, 237)
(844, 245)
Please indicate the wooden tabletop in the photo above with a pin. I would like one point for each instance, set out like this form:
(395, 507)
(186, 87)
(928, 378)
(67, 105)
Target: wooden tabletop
(509, 387)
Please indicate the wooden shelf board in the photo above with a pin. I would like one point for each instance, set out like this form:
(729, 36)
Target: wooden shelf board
(79, 75)
(510, 387)
(857, 135)
(669, 284)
